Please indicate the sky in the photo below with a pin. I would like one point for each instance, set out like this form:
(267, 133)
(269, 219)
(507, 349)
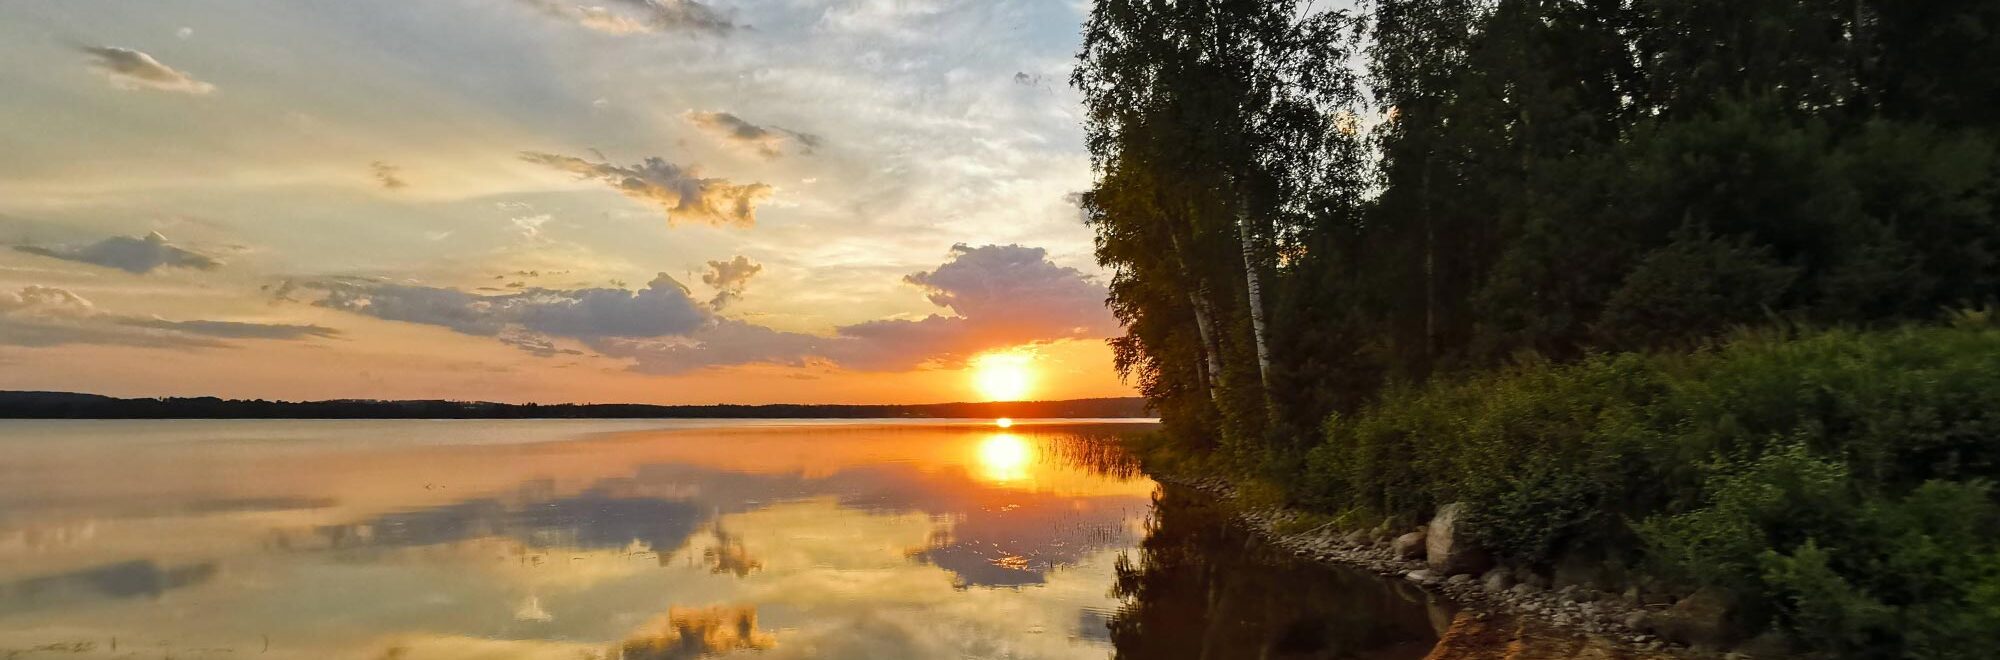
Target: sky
(664, 201)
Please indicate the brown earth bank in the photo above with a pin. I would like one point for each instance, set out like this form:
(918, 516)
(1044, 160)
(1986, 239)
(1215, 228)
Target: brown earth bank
(1502, 615)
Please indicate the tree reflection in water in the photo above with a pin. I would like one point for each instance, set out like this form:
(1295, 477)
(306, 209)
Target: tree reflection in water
(1203, 587)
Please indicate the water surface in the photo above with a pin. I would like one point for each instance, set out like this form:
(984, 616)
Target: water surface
(643, 539)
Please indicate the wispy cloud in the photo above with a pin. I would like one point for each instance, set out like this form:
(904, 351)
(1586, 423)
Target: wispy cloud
(131, 69)
(729, 278)
(625, 17)
(51, 316)
(663, 308)
(138, 255)
(681, 192)
(390, 176)
(769, 142)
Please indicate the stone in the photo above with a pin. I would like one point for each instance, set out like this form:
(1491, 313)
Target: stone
(1524, 589)
(1700, 620)
(1409, 546)
(1356, 538)
(1422, 575)
(1460, 579)
(1525, 575)
(1497, 580)
(1447, 547)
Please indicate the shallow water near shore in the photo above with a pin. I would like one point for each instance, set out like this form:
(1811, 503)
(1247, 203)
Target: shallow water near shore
(646, 539)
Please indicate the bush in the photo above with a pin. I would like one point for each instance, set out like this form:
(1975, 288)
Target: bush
(1837, 482)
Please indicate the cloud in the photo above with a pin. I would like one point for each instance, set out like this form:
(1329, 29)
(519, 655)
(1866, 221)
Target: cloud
(131, 69)
(388, 175)
(681, 192)
(767, 142)
(726, 342)
(686, 633)
(626, 17)
(50, 316)
(1001, 296)
(663, 308)
(729, 278)
(133, 255)
(998, 296)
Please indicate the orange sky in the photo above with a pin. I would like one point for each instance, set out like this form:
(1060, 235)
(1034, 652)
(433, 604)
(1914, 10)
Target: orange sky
(846, 202)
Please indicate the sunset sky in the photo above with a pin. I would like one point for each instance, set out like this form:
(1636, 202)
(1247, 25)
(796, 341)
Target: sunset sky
(547, 200)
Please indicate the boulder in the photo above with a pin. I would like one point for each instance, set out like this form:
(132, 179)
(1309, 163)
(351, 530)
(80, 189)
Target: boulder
(1497, 580)
(1422, 575)
(1700, 620)
(1356, 538)
(1409, 546)
(1447, 547)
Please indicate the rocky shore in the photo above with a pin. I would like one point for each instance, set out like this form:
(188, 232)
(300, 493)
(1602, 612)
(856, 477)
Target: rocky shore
(1505, 613)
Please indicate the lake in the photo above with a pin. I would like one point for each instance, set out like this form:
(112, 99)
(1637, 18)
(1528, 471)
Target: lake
(645, 539)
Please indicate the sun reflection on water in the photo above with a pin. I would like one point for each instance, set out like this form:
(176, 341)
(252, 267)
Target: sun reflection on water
(1004, 458)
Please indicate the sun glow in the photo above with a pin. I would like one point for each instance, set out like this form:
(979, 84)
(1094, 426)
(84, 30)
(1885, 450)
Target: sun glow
(1003, 457)
(1005, 376)
(1004, 422)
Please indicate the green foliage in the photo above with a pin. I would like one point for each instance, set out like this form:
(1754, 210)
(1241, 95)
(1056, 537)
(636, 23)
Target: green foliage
(1836, 482)
(1451, 263)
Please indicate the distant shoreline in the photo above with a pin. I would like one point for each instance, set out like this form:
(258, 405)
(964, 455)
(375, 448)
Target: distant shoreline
(70, 405)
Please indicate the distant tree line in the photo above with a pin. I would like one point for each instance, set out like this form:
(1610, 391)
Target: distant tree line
(60, 405)
(1302, 204)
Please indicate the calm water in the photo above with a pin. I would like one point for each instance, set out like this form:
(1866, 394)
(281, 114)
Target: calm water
(382, 540)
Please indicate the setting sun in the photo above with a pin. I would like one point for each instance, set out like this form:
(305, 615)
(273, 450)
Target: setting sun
(1003, 376)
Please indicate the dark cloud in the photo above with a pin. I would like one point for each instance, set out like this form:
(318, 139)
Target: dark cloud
(663, 308)
(136, 255)
(681, 192)
(624, 17)
(769, 142)
(390, 176)
(49, 316)
(236, 329)
(1001, 296)
(131, 69)
(729, 278)
(726, 342)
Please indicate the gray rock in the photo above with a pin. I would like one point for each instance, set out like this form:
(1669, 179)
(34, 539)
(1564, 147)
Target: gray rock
(1524, 589)
(1497, 580)
(1357, 537)
(1525, 575)
(1459, 579)
(1446, 547)
(1701, 620)
(1409, 546)
(1422, 575)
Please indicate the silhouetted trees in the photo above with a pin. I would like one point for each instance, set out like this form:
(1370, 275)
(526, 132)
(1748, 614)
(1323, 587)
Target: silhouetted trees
(1418, 187)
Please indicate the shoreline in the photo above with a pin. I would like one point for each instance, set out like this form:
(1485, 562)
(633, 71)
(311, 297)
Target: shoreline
(1514, 622)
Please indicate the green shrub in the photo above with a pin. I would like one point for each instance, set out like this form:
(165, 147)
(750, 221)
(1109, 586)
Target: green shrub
(1836, 482)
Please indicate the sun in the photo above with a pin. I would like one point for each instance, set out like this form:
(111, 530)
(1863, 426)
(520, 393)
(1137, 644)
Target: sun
(1004, 376)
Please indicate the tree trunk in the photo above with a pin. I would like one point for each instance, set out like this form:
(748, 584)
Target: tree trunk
(1210, 366)
(1254, 283)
